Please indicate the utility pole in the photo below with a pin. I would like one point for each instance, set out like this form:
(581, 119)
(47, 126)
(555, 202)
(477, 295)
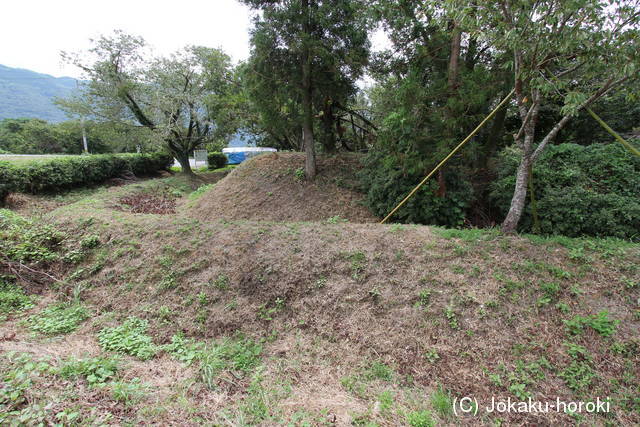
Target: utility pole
(84, 137)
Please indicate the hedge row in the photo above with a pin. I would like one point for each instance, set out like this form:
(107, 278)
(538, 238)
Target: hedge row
(68, 172)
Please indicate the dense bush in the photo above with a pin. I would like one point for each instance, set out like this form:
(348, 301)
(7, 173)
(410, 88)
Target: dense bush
(216, 160)
(68, 172)
(386, 183)
(580, 190)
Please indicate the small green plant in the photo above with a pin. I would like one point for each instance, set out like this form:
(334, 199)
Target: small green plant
(599, 322)
(95, 371)
(203, 298)
(267, 311)
(358, 263)
(129, 338)
(24, 240)
(579, 374)
(221, 282)
(164, 313)
(12, 297)
(183, 349)
(90, 242)
(299, 174)
(240, 355)
(431, 356)
(58, 319)
(168, 282)
(128, 392)
(321, 283)
(378, 371)
(420, 419)
(73, 256)
(394, 228)
(375, 294)
(386, 402)
(523, 375)
(452, 318)
(17, 378)
(424, 297)
(550, 292)
(442, 402)
(200, 191)
(336, 220)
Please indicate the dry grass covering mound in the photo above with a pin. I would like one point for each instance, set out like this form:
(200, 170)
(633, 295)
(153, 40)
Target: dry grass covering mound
(236, 322)
(272, 187)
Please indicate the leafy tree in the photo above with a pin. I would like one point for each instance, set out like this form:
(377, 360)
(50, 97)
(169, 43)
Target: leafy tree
(307, 56)
(168, 95)
(572, 52)
(433, 85)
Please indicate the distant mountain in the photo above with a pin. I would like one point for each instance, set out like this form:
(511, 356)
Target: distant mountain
(25, 93)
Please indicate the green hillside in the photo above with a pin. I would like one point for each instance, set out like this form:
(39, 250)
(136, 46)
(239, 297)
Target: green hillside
(25, 93)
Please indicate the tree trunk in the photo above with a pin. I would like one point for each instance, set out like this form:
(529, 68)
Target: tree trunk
(454, 58)
(518, 200)
(453, 84)
(307, 125)
(183, 159)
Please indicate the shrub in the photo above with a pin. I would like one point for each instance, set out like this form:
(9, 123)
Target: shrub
(580, 190)
(216, 160)
(386, 181)
(68, 172)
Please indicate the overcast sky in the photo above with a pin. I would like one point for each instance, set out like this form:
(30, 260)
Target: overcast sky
(33, 32)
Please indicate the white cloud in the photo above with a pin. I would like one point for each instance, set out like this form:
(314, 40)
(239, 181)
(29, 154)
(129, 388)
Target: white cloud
(34, 32)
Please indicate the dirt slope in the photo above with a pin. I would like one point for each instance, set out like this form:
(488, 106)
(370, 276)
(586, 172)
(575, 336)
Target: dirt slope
(267, 188)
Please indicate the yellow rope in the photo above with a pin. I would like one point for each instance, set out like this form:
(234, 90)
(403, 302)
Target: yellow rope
(504, 101)
(613, 133)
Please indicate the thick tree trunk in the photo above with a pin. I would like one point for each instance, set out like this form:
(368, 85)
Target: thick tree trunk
(183, 159)
(518, 200)
(307, 124)
(454, 59)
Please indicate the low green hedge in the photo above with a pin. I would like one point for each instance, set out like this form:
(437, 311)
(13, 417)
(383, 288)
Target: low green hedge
(69, 172)
(216, 160)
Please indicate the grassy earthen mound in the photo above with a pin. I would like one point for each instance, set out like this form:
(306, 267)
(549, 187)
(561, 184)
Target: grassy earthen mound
(348, 324)
(475, 313)
(272, 187)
